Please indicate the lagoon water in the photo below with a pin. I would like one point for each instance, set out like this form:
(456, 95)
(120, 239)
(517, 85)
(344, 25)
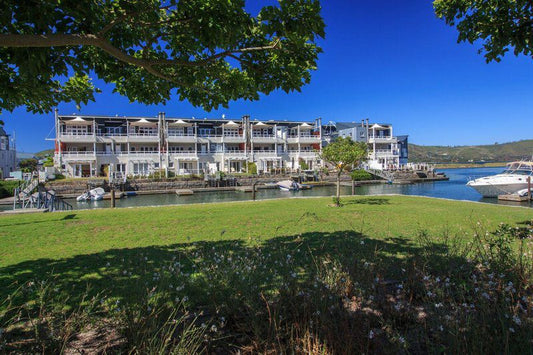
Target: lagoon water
(455, 189)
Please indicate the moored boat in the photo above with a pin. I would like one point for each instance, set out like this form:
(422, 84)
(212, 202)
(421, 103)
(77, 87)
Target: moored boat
(513, 179)
(288, 185)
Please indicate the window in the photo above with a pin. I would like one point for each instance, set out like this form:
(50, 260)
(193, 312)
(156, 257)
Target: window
(141, 169)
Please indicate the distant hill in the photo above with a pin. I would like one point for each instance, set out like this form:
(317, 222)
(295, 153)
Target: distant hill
(44, 153)
(504, 152)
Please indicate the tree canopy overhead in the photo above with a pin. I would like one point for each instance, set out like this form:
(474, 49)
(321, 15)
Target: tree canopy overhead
(209, 52)
(500, 25)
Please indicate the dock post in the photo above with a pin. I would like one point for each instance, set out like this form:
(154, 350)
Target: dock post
(253, 190)
(353, 187)
(112, 196)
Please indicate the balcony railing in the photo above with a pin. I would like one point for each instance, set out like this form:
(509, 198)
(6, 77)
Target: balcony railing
(111, 134)
(181, 134)
(84, 152)
(379, 137)
(383, 152)
(263, 135)
(77, 134)
(233, 135)
(143, 134)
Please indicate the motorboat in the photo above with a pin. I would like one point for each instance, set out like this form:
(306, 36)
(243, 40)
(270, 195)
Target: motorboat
(97, 194)
(513, 179)
(525, 192)
(92, 195)
(288, 185)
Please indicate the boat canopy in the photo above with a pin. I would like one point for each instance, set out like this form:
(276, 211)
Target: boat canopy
(306, 126)
(520, 167)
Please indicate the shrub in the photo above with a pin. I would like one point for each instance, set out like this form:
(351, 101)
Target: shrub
(7, 187)
(360, 175)
(252, 168)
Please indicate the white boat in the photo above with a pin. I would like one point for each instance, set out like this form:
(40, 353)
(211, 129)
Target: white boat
(524, 192)
(97, 194)
(288, 185)
(83, 197)
(92, 195)
(512, 180)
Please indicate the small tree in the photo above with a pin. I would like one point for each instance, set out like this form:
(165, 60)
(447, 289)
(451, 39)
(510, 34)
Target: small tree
(343, 154)
(28, 165)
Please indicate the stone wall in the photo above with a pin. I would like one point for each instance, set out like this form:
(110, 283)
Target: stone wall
(78, 186)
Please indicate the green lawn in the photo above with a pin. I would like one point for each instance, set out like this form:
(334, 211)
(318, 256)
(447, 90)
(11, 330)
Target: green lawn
(292, 275)
(62, 235)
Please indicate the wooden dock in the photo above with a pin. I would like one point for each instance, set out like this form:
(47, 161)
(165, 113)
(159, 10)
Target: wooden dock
(514, 198)
(118, 195)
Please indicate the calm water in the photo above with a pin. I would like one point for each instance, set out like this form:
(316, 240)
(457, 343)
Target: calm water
(455, 189)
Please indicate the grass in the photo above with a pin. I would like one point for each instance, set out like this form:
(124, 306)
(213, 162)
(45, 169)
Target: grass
(282, 275)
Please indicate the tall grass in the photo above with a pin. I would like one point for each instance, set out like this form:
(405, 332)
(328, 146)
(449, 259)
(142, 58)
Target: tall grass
(313, 293)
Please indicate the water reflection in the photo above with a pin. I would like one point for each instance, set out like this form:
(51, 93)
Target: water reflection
(455, 189)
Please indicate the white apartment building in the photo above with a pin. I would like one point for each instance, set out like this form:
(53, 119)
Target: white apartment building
(87, 146)
(385, 151)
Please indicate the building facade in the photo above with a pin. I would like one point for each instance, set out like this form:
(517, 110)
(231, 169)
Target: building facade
(7, 155)
(87, 146)
(385, 151)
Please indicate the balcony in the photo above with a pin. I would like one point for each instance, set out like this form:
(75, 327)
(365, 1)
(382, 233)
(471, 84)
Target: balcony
(78, 156)
(235, 154)
(149, 136)
(385, 153)
(72, 137)
(265, 153)
(303, 153)
(233, 137)
(181, 137)
(140, 154)
(181, 154)
(120, 137)
(303, 138)
(381, 139)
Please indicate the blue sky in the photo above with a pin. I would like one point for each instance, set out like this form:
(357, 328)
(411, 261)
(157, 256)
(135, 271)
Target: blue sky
(388, 61)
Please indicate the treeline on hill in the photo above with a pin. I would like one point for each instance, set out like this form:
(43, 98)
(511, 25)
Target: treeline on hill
(504, 152)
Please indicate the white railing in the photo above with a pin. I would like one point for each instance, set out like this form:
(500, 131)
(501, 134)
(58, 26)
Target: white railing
(263, 135)
(147, 153)
(383, 152)
(264, 152)
(76, 153)
(76, 135)
(143, 134)
(303, 152)
(379, 137)
(180, 134)
(235, 152)
(111, 134)
(233, 135)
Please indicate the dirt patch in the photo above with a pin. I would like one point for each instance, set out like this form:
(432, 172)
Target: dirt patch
(95, 341)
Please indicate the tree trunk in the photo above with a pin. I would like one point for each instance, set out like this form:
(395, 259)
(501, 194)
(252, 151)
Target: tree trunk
(338, 199)
(353, 187)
